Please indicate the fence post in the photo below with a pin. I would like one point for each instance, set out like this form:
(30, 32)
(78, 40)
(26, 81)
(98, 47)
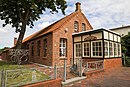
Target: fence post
(64, 69)
(55, 71)
(2, 79)
(80, 68)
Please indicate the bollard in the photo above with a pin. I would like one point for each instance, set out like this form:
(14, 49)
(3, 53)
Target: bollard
(55, 72)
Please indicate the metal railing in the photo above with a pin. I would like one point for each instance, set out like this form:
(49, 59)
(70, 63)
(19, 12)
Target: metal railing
(19, 77)
(94, 65)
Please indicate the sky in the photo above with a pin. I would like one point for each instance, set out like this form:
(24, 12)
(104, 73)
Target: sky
(100, 13)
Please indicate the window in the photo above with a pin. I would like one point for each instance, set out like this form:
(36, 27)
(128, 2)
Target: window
(63, 43)
(32, 50)
(111, 48)
(96, 48)
(76, 26)
(45, 47)
(86, 49)
(38, 47)
(83, 27)
(78, 50)
(106, 48)
(27, 46)
(115, 49)
(119, 50)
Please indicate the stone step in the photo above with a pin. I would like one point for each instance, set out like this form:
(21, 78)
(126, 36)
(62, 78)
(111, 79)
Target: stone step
(72, 80)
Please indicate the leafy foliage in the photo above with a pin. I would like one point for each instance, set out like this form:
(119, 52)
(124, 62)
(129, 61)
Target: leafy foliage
(1, 50)
(20, 13)
(126, 44)
(16, 11)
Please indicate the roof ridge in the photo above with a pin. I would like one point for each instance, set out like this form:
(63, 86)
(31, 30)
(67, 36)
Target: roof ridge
(52, 25)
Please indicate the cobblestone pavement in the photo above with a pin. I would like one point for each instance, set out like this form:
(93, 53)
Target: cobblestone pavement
(112, 78)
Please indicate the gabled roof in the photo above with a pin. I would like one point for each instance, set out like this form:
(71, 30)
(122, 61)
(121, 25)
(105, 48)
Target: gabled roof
(55, 26)
(50, 28)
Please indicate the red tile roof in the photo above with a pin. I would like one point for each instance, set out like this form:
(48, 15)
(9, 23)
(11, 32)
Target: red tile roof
(53, 27)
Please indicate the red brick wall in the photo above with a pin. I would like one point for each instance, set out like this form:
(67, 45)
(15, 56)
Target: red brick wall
(112, 63)
(60, 33)
(41, 59)
(53, 40)
(90, 60)
(50, 83)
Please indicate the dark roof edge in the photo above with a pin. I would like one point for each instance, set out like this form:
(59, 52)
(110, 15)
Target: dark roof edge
(95, 30)
(120, 27)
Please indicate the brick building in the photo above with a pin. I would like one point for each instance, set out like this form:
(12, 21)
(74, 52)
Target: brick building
(72, 38)
(52, 44)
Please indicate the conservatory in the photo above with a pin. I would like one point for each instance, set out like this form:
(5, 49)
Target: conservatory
(97, 45)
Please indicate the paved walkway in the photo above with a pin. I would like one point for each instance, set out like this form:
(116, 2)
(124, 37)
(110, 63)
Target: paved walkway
(113, 78)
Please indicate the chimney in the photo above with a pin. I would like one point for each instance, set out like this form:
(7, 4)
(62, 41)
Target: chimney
(78, 7)
(15, 41)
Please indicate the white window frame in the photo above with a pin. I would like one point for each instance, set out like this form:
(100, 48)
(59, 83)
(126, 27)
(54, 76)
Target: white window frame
(107, 48)
(63, 48)
(115, 50)
(86, 49)
(119, 48)
(75, 50)
(92, 48)
(110, 50)
(83, 27)
(76, 26)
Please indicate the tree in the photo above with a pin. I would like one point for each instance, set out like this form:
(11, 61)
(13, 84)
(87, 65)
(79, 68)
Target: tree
(22, 13)
(126, 44)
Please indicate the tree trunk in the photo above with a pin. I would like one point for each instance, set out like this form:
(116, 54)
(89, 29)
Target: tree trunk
(21, 35)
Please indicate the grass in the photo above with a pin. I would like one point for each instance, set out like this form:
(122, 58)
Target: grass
(21, 75)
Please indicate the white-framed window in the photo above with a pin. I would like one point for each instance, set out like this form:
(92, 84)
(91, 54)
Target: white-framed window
(86, 49)
(78, 50)
(76, 26)
(63, 43)
(119, 49)
(106, 50)
(115, 49)
(96, 48)
(83, 27)
(111, 48)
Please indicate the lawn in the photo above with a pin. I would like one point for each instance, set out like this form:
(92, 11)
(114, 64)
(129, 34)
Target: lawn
(19, 75)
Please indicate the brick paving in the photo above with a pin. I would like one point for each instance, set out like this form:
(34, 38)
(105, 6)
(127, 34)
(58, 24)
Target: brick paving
(119, 77)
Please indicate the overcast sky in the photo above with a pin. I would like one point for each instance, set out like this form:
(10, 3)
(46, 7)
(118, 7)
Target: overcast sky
(100, 13)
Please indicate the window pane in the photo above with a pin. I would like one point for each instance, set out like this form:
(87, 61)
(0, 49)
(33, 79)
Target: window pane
(83, 27)
(111, 49)
(45, 47)
(97, 49)
(62, 47)
(86, 49)
(38, 47)
(76, 26)
(78, 50)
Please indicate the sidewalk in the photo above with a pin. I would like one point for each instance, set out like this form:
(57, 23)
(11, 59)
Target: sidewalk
(113, 78)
